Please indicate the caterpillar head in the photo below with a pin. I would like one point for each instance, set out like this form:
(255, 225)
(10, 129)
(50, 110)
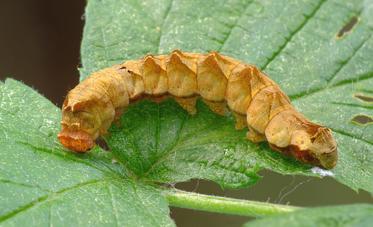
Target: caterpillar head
(324, 147)
(316, 146)
(79, 126)
(291, 134)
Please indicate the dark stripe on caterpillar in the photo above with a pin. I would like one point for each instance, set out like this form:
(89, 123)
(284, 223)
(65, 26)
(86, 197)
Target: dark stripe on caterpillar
(256, 100)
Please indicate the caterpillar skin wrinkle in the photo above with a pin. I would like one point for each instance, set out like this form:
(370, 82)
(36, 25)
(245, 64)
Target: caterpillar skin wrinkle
(257, 102)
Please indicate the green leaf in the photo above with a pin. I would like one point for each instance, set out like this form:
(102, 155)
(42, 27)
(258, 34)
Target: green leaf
(163, 143)
(330, 216)
(42, 184)
(295, 42)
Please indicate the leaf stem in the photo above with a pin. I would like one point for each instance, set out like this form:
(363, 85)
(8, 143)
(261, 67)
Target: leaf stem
(224, 205)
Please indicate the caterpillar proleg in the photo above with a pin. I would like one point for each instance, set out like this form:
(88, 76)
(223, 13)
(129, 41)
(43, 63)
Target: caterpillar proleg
(257, 102)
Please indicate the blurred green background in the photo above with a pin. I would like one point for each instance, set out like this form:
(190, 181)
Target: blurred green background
(39, 45)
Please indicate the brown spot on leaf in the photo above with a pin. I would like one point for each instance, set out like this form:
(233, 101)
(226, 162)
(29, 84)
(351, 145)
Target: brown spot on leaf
(362, 119)
(364, 98)
(348, 27)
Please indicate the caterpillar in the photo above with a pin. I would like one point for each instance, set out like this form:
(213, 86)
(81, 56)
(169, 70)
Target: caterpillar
(256, 101)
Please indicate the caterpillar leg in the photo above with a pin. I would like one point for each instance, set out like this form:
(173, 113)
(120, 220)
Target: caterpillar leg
(217, 107)
(254, 136)
(118, 113)
(188, 104)
(241, 122)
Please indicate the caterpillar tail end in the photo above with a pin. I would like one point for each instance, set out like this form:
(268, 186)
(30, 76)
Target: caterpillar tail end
(78, 141)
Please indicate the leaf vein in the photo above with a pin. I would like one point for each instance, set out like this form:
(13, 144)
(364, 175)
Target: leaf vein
(145, 207)
(168, 10)
(352, 105)
(23, 184)
(341, 83)
(170, 151)
(233, 26)
(329, 80)
(292, 34)
(51, 152)
(220, 166)
(45, 198)
(113, 204)
(351, 136)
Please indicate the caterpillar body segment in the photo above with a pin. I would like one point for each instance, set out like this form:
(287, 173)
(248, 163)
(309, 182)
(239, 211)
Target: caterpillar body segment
(257, 102)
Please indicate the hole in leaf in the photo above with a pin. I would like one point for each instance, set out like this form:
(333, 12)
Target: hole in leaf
(362, 119)
(102, 143)
(364, 98)
(348, 27)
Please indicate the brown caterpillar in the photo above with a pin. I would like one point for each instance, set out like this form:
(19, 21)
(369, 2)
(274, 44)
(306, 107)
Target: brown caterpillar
(257, 102)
